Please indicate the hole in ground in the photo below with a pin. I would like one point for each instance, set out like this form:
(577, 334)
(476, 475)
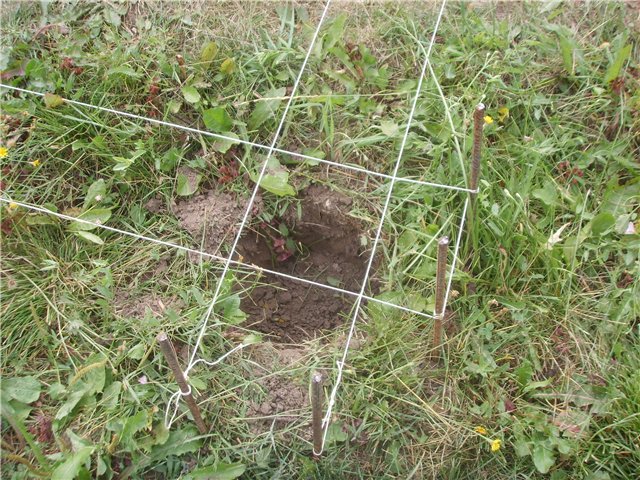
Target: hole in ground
(323, 244)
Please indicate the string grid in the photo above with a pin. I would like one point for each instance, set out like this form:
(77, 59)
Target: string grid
(271, 149)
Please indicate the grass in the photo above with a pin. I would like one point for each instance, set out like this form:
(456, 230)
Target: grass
(541, 348)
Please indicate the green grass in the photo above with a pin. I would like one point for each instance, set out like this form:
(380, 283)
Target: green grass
(541, 349)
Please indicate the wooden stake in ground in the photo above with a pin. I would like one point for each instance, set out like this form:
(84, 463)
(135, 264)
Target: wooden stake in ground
(441, 287)
(316, 406)
(172, 360)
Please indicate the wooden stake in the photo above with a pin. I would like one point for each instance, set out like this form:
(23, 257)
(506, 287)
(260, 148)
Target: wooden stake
(316, 406)
(172, 360)
(476, 154)
(441, 287)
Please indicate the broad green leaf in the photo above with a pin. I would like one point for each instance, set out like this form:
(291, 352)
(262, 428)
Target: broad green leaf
(266, 107)
(566, 47)
(169, 160)
(91, 377)
(228, 66)
(217, 120)
(602, 222)
(174, 106)
(221, 471)
(524, 373)
(191, 94)
(131, 426)
(390, 129)
(547, 194)
(90, 237)
(157, 436)
(69, 469)
(275, 179)
(41, 220)
(23, 389)
(536, 385)
(231, 310)
(209, 52)
(179, 442)
(543, 457)
(251, 339)
(68, 406)
(335, 31)
(124, 70)
(112, 17)
(185, 186)
(97, 191)
(111, 395)
(221, 145)
(336, 434)
(522, 448)
(614, 69)
(99, 216)
(52, 101)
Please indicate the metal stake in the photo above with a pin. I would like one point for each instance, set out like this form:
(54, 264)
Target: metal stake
(441, 287)
(476, 154)
(172, 360)
(316, 406)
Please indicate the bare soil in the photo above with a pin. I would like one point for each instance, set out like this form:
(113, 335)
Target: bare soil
(283, 397)
(212, 218)
(330, 253)
(135, 306)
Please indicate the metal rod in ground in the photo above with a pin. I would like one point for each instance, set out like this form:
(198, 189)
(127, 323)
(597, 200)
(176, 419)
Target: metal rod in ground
(441, 288)
(172, 360)
(476, 157)
(476, 153)
(316, 406)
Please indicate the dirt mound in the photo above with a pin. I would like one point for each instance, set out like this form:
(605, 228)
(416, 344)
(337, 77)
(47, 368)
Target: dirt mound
(284, 397)
(212, 219)
(328, 251)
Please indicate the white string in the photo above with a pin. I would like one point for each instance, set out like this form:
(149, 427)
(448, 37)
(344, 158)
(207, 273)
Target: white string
(340, 363)
(174, 399)
(247, 142)
(455, 259)
(215, 362)
(249, 266)
(247, 212)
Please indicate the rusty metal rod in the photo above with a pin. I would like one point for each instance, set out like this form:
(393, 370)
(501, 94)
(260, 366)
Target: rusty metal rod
(441, 288)
(476, 154)
(172, 360)
(316, 406)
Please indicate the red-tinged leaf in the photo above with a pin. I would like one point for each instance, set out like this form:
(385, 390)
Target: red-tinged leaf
(7, 226)
(509, 406)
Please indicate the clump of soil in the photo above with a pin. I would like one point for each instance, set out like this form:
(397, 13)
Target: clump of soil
(212, 218)
(136, 306)
(290, 310)
(284, 397)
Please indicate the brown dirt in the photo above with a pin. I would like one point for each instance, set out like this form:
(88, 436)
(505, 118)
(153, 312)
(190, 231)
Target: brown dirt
(136, 306)
(292, 311)
(212, 218)
(283, 396)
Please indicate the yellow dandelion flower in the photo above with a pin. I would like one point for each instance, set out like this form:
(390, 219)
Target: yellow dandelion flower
(481, 430)
(4, 151)
(488, 119)
(13, 206)
(496, 444)
(35, 163)
(503, 114)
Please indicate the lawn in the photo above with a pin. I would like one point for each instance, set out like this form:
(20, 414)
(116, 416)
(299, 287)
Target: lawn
(151, 182)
